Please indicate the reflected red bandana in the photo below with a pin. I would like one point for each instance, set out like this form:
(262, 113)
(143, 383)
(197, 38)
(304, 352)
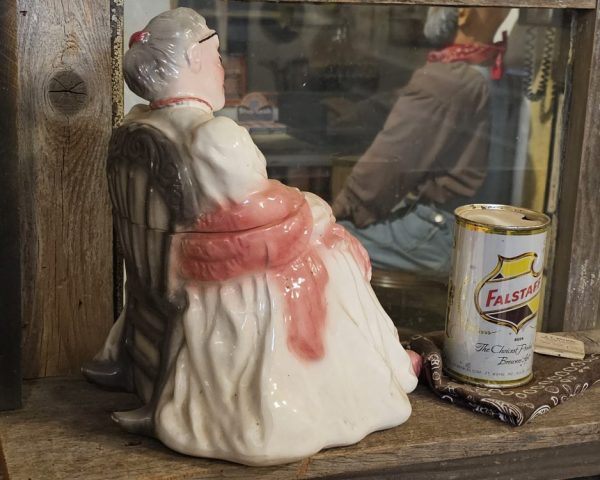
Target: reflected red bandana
(476, 54)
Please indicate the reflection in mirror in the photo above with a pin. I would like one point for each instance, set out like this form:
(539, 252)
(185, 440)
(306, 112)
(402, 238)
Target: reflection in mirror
(396, 115)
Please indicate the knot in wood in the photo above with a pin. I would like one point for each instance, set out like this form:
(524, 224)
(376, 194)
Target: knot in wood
(67, 92)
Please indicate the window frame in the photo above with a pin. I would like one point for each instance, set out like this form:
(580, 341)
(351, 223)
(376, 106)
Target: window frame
(573, 296)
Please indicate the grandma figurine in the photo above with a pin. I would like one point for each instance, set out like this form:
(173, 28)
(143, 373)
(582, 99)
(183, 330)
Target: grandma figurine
(250, 330)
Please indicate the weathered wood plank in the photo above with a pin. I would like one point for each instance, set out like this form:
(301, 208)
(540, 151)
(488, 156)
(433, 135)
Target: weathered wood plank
(64, 121)
(574, 461)
(575, 299)
(68, 415)
(582, 310)
(590, 339)
(10, 279)
(474, 3)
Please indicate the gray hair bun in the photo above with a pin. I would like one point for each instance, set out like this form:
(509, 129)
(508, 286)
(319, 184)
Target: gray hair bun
(157, 53)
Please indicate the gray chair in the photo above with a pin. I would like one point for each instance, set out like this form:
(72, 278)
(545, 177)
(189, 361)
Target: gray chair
(152, 196)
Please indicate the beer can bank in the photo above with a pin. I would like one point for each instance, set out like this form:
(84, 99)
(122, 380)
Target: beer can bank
(494, 294)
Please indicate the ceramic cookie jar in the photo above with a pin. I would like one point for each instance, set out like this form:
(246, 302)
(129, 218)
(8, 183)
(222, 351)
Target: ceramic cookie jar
(250, 330)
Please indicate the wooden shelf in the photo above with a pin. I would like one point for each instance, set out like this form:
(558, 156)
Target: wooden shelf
(64, 431)
(473, 3)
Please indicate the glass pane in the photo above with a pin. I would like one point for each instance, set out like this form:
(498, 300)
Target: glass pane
(395, 115)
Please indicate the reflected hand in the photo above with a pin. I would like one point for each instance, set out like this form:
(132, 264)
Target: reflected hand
(344, 111)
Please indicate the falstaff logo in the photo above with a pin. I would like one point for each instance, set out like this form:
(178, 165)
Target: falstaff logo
(510, 294)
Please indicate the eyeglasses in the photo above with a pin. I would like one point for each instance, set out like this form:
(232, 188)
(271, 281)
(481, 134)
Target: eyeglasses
(207, 38)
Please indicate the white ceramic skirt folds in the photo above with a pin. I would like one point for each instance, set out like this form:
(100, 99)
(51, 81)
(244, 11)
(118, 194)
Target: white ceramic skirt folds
(235, 391)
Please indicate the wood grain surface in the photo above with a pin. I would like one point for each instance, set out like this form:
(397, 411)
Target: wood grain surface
(590, 339)
(474, 3)
(10, 278)
(576, 461)
(574, 302)
(582, 309)
(64, 122)
(65, 431)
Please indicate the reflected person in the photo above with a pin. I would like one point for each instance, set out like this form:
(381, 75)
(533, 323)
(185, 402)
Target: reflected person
(432, 152)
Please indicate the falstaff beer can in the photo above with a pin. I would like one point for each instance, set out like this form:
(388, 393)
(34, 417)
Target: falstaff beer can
(494, 294)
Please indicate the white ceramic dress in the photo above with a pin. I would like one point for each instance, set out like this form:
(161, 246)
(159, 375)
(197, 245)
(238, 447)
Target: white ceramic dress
(234, 387)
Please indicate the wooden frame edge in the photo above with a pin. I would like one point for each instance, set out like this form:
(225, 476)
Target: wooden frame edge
(10, 280)
(118, 111)
(577, 4)
(575, 291)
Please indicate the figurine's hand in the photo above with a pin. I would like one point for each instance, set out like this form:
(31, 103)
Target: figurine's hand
(416, 361)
